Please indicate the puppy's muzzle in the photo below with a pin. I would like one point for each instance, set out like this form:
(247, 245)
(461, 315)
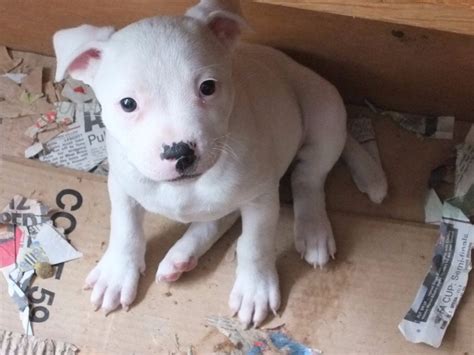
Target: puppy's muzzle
(183, 153)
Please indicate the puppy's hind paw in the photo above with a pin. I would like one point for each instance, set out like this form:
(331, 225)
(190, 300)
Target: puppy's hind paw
(377, 189)
(315, 243)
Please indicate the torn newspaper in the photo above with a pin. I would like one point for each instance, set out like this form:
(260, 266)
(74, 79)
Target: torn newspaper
(82, 145)
(361, 128)
(28, 237)
(443, 175)
(72, 135)
(464, 175)
(440, 127)
(444, 285)
(258, 341)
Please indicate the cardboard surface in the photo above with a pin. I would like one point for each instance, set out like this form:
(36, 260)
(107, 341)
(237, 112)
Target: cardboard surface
(352, 306)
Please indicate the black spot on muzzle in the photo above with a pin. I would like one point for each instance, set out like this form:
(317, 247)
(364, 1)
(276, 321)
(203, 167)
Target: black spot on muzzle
(182, 152)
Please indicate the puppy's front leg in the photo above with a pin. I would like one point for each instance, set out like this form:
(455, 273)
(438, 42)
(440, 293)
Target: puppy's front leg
(256, 287)
(114, 280)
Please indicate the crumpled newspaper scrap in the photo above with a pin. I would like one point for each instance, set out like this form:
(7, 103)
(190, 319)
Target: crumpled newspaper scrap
(440, 127)
(67, 129)
(444, 285)
(439, 295)
(15, 343)
(452, 178)
(256, 341)
(21, 94)
(28, 237)
(72, 135)
(360, 126)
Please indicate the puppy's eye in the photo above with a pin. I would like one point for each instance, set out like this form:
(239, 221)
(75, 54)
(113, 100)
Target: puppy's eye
(208, 87)
(128, 104)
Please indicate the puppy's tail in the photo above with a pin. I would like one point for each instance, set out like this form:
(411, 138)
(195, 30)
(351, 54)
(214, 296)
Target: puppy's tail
(366, 171)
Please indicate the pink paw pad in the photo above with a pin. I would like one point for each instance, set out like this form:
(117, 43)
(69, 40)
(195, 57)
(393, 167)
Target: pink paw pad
(170, 277)
(185, 266)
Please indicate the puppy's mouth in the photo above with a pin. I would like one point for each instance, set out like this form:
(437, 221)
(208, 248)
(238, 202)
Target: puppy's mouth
(184, 177)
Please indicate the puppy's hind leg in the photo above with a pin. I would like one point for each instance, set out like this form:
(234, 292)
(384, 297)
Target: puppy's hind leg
(184, 254)
(366, 171)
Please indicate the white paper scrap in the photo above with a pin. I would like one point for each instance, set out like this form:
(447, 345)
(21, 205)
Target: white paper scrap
(442, 289)
(56, 248)
(433, 208)
(464, 175)
(33, 150)
(16, 77)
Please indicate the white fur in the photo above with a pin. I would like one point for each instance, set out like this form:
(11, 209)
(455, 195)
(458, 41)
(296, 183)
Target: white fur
(267, 111)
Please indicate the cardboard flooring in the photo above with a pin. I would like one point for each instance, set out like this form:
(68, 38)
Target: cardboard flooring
(352, 306)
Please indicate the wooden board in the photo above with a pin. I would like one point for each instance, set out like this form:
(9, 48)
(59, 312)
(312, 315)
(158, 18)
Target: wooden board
(353, 306)
(446, 15)
(396, 66)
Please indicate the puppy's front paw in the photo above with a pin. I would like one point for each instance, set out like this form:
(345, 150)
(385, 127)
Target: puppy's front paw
(255, 292)
(114, 281)
(315, 241)
(175, 263)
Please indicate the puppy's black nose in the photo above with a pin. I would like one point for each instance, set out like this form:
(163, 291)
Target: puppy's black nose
(182, 152)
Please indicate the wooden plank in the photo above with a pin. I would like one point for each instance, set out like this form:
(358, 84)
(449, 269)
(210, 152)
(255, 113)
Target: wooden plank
(400, 67)
(446, 15)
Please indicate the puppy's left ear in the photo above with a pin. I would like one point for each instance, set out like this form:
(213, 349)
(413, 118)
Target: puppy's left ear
(225, 22)
(79, 51)
(226, 26)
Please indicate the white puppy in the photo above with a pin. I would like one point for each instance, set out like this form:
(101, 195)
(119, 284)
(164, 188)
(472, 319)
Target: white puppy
(200, 129)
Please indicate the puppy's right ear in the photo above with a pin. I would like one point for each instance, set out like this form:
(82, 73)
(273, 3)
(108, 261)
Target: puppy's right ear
(79, 51)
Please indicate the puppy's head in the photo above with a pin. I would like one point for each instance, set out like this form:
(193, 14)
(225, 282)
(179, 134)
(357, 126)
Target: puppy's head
(164, 84)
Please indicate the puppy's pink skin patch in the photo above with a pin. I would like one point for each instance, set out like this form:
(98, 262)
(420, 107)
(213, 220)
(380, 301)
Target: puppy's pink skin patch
(170, 278)
(82, 61)
(186, 266)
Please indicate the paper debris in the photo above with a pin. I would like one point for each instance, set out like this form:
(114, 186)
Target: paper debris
(15, 343)
(433, 208)
(82, 146)
(7, 63)
(464, 175)
(33, 82)
(451, 179)
(27, 237)
(440, 127)
(361, 128)
(77, 91)
(56, 247)
(255, 341)
(52, 123)
(444, 285)
(102, 168)
(34, 150)
(24, 212)
(16, 77)
(73, 134)
(24, 98)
